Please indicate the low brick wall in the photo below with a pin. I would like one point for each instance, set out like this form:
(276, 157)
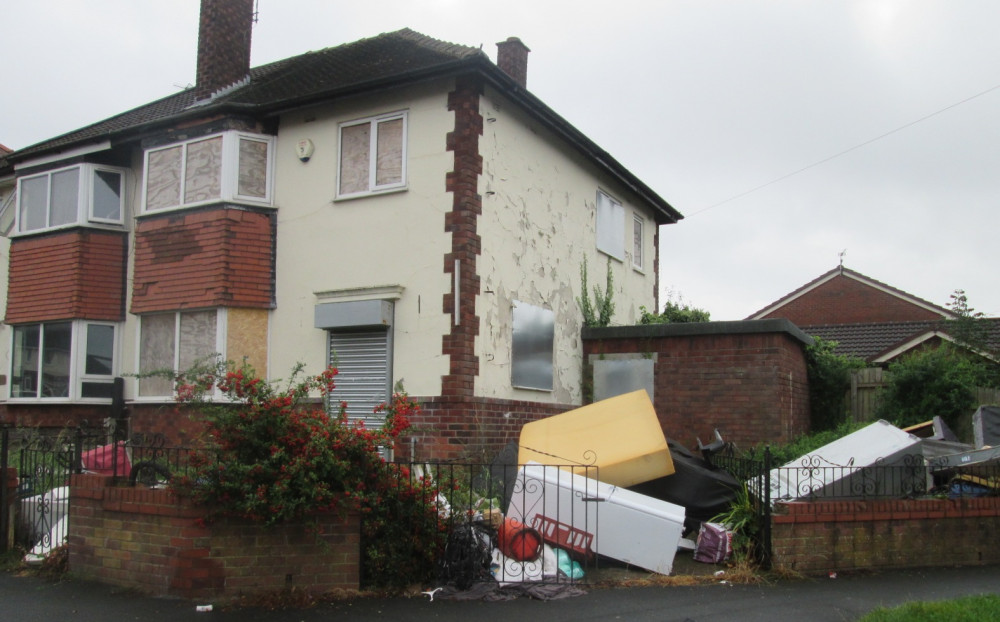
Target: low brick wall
(152, 541)
(812, 537)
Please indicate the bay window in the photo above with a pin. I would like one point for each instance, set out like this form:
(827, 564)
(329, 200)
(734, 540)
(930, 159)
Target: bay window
(77, 195)
(72, 360)
(232, 166)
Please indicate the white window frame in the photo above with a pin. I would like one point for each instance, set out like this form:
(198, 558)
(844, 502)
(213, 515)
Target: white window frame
(228, 175)
(77, 363)
(219, 351)
(610, 225)
(373, 187)
(638, 241)
(84, 199)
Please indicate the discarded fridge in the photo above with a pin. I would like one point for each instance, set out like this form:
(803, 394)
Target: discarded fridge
(586, 516)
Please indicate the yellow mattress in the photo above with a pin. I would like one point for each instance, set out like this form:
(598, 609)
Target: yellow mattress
(620, 435)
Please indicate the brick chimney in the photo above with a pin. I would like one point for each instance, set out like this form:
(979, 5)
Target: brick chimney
(223, 44)
(512, 58)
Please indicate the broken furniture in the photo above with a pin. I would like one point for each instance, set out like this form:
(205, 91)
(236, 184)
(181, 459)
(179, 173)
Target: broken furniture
(621, 436)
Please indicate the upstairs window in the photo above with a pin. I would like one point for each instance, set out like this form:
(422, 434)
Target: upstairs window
(610, 226)
(77, 195)
(372, 155)
(63, 360)
(638, 225)
(224, 167)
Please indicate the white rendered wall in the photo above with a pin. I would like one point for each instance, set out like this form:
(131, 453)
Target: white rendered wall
(538, 227)
(394, 240)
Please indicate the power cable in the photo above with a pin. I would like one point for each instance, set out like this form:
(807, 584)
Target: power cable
(844, 152)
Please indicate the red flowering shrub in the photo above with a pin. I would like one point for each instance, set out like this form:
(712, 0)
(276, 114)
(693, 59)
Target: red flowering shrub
(271, 457)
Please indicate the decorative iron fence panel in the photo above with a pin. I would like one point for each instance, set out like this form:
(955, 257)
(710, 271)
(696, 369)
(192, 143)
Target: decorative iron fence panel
(491, 524)
(40, 502)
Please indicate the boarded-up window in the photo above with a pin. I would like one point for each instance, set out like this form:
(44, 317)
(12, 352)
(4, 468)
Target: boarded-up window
(610, 226)
(228, 166)
(203, 170)
(372, 155)
(174, 342)
(531, 351)
(253, 168)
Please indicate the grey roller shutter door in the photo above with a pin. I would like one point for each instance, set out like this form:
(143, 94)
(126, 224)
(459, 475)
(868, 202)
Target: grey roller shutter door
(363, 378)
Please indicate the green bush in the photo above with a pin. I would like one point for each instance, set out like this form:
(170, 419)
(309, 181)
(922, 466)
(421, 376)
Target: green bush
(938, 381)
(829, 377)
(270, 456)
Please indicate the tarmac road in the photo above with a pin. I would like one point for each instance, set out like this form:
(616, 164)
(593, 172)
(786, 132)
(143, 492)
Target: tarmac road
(815, 600)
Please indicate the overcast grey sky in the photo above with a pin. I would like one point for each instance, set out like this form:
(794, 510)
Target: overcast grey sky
(785, 131)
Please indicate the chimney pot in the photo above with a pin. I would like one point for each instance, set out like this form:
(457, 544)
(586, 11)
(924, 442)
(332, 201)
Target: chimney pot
(224, 34)
(512, 58)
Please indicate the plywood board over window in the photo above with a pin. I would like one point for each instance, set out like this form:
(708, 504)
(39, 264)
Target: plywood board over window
(372, 155)
(246, 338)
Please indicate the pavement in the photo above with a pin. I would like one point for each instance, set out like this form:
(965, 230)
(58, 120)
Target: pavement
(846, 597)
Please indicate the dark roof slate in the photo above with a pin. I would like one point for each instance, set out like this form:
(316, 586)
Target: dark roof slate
(388, 59)
(869, 341)
(382, 58)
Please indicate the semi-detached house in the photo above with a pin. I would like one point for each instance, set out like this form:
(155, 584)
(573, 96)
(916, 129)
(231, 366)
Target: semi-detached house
(399, 206)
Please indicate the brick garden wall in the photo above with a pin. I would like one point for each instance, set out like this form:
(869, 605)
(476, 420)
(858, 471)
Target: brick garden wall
(748, 379)
(818, 537)
(151, 541)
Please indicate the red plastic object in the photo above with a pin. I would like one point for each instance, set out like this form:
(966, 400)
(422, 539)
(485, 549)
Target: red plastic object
(104, 462)
(519, 542)
(563, 536)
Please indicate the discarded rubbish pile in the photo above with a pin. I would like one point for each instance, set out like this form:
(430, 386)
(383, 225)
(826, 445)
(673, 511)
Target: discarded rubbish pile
(599, 481)
(881, 460)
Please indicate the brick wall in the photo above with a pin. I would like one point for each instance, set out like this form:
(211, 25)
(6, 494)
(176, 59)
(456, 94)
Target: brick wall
(471, 429)
(54, 416)
(461, 222)
(222, 257)
(819, 537)
(844, 300)
(78, 274)
(748, 379)
(151, 541)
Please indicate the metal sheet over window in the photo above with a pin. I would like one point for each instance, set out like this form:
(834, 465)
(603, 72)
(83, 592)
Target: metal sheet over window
(389, 162)
(533, 341)
(253, 168)
(355, 150)
(197, 338)
(156, 353)
(364, 373)
(163, 178)
(610, 226)
(203, 170)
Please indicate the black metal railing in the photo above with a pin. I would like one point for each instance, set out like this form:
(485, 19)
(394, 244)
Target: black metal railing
(488, 523)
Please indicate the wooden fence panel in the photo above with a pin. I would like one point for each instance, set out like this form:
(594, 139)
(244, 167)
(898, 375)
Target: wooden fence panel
(865, 385)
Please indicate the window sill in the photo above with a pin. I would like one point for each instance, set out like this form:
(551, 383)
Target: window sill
(368, 195)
